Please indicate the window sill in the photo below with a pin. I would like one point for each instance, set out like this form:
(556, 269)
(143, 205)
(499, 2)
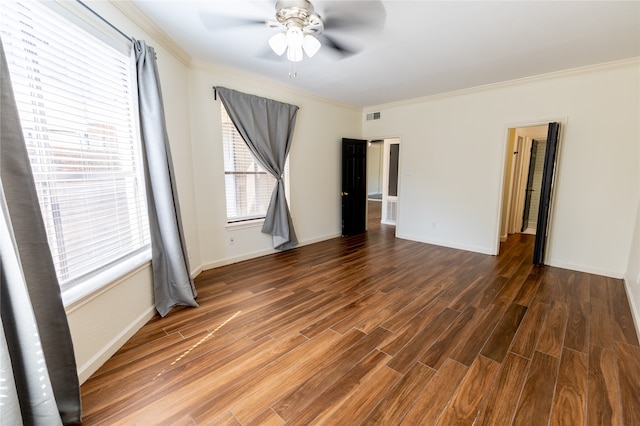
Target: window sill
(232, 226)
(78, 295)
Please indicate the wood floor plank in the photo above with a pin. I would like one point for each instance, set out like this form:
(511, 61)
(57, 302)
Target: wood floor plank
(403, 360)
(553, 331)
(290, 370)
(603, 402)
(526, 337)
(328, 401)
(409, 330)
(225, 419)
(298, 397)
(502, 399)
(537, 395)
(434, 398)
(465, 404)
(404, 315)
(500, 340)
(628, 361)
(367, 396)
(600, 328)
(401, 396)
(515, 283)
(346, 309)
(577, 334)
(621, 316)
(529, 287)
(448, 341)
(491, 291)
(215, 391)
(266, 418)
(394, 301)
(467, 351)
(570, 400)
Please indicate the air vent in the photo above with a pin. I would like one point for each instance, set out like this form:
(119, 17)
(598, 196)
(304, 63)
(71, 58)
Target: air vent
(373, 116)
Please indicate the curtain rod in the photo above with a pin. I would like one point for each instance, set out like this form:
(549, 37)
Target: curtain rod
(104, 20)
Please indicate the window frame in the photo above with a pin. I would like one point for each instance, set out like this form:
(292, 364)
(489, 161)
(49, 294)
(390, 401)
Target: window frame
(244, 221)
(110, 273)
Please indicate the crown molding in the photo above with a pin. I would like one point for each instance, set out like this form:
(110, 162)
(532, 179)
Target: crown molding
(139, 18)
(503, 84)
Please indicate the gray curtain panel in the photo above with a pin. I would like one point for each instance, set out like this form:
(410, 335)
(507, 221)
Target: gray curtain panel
(172, 281)
(267, 127)
(36, 285)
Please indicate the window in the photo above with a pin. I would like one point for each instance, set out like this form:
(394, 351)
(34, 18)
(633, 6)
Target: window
(247, 185)
(75, 100)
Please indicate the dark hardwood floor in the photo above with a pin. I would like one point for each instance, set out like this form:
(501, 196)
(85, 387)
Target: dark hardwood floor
(376, 330)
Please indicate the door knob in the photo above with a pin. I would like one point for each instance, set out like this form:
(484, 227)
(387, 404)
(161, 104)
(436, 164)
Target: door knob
(344, 193)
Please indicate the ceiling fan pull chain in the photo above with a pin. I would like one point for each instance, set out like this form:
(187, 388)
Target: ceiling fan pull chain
(293, 73)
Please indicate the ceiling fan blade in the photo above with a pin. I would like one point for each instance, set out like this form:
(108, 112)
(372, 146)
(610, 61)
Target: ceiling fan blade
(337, 46)
(218, 22)
(367, 16)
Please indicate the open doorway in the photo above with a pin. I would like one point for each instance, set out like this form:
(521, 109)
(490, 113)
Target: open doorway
(530, 161)
(382, 180)
(523, 179)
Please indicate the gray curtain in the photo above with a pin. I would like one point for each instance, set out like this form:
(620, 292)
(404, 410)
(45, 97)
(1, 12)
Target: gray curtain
(172, 281)
(267, 128)
(38, 341)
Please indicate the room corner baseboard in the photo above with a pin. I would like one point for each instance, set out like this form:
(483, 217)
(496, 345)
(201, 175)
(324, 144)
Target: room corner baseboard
(87, 369)
(635, 309)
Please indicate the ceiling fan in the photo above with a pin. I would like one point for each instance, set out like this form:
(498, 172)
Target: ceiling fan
(301, 29)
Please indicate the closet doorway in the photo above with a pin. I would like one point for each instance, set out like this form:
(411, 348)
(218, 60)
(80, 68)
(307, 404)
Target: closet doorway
(383, 157)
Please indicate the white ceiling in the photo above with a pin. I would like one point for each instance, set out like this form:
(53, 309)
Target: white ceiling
(425, 47)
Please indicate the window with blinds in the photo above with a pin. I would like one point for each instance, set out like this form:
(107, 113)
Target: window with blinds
(248, 186)
(76, 107)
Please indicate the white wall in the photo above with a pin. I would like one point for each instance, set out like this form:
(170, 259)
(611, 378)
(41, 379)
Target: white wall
(453, 155)
(314, 163)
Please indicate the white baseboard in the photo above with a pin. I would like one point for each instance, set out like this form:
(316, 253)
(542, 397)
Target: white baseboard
(194, 273)
(587, 269)
(87, 369)
(635, 309)
(258, 253)
(475, 249)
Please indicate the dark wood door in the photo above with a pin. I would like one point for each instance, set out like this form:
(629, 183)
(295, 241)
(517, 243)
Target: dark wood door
(545, 193)
(354, 186)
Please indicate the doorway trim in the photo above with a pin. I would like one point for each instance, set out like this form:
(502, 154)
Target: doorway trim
(557, 172)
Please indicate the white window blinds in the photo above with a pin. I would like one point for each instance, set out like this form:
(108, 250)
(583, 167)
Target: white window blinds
(76, 106)
(248, 186)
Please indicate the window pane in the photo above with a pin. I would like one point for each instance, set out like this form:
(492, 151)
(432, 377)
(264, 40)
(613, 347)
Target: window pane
(76, 107)
(248, 186)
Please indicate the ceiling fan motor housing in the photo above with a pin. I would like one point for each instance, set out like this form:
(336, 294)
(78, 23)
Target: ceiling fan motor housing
(298, 13)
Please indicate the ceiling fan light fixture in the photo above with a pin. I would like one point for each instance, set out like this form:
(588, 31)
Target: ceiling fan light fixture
(311, 45)
(278, 43)
(294, 36)
(294, 54)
